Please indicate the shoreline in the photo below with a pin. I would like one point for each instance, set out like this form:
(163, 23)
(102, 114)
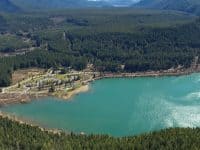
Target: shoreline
(26, 122)
(14, 98)
(17, 98)
(71, 93)
(148, 74)
(84, 88)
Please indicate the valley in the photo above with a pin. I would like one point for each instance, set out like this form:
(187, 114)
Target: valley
(99, 74)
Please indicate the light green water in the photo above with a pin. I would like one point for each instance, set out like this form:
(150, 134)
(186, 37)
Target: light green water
(121, 107)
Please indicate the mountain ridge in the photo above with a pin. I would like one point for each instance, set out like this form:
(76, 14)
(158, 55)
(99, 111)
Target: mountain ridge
(189, 6)
(7, 6)
(58, 4)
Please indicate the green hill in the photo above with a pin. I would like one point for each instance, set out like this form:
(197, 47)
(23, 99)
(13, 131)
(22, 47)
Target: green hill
(190, 6)
(107, 38)
(7, 6)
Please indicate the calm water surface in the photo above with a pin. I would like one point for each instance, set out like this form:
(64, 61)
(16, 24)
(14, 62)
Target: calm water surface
(121, 107)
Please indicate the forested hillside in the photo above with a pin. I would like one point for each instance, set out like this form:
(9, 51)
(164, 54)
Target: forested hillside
(190, 6)
(139, 40)
(113, 40)
(20, 136)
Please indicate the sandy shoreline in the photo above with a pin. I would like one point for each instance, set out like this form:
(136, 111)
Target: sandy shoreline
(14, 98)
(71, 93)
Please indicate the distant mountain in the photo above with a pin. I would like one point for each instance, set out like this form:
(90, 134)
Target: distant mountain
(121, 3)
(58, 4)
(7, 6)
(190, 6)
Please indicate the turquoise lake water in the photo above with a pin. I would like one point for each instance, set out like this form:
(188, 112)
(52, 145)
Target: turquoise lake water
(121, 106)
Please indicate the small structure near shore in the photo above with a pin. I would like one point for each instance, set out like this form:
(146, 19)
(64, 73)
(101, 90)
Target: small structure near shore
(50, 83)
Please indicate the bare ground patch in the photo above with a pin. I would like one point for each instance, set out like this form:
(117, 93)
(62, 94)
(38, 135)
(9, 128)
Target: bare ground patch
(22, 74)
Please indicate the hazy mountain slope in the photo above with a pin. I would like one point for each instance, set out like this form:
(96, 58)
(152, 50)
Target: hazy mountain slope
(147, 3)
(191, 6)
(57, 4)
(7, 6)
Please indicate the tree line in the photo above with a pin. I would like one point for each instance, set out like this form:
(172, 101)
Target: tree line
(22, 136)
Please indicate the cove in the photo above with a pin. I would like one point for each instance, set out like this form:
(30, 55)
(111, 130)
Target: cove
(120, 106)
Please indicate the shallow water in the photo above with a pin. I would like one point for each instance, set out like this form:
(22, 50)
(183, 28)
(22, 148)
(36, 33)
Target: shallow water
(121, 106)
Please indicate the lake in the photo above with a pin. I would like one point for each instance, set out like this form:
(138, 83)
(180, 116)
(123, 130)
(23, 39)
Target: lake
(120, 106)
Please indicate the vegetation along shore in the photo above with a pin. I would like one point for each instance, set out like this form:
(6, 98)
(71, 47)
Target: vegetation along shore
(34, 137)
(64, 83)
(45, 52)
